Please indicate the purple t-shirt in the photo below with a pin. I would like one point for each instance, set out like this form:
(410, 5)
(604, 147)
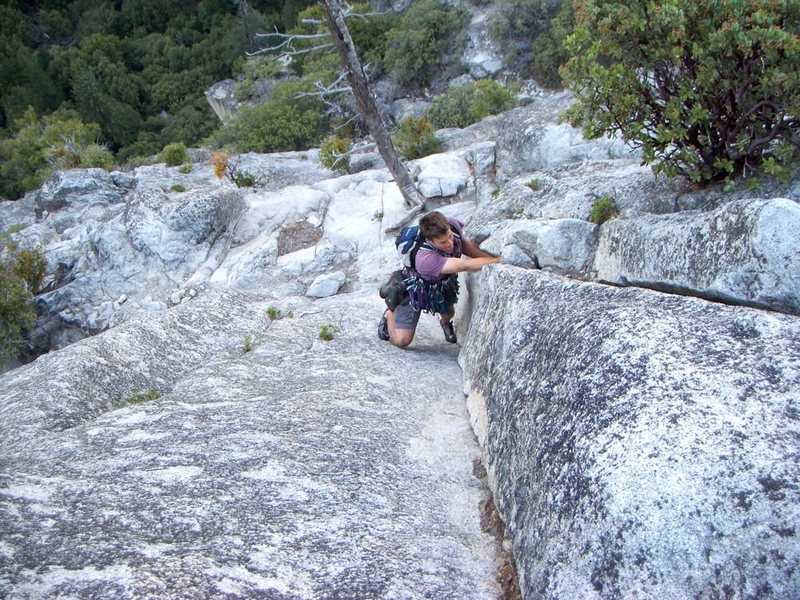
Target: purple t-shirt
(429, 263)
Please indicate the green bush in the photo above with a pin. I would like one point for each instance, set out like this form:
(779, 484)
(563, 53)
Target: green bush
(95, 155)
(21, 274)
(517, 23)
(370, 35)
(175, 154)
(328, 331)
(603, 209)
(416, 138)
(243, 179)
(284, 122)
(425, 41)
(549, 53)
(58, 141)
(468, 104)
(709, 91)
(332, 153)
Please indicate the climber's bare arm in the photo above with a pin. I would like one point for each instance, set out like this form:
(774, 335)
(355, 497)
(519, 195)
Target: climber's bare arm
(468, 264)
(472, 250)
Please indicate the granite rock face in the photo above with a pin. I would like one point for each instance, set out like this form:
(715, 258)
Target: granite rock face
(640, 445)
(298, 469)
(746, 252)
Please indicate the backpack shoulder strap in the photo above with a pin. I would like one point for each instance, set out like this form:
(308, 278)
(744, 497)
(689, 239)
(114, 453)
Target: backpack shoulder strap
(423, 243)
(417, 245)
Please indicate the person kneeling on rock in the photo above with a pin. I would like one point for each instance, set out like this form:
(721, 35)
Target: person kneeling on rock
(434, 253)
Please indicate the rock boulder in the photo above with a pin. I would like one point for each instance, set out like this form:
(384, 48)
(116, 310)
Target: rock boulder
(639, 444)
(746, 252)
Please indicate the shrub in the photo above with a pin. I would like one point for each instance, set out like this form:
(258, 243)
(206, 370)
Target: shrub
(284, 122)
(417, 50)
(370, 35)
(709, 91)
(95, 155)
(175, 154)
(604, 208)
(250, 341)
(549, 53)
(327, 332)
(416, 138)
(468, 104)
(517, 23)
(220, 162)
(535, 185)
(243, 179)
(21, 274)
(59, 140)
(332, 153)
(177, 187)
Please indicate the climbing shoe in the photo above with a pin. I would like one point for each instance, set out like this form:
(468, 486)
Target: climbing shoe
(393, 290)
(383, 329)
(449, 332)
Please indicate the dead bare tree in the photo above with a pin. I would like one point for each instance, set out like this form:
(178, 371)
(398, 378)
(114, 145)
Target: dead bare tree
(366, 104)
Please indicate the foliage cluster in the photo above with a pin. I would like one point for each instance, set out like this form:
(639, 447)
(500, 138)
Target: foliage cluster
(707, 90)
(603, 209)
(56, 141)
(464, 105)
(21, 275)
(333, 153)
(132, 72)
(418, 50)
(175, 154)
(416, 138)
(328, 331)
(531, 34)
(139, 397)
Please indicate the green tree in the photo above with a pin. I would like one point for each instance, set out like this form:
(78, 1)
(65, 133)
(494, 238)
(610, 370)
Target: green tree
(549, 53)
(21, 274)
(425, 42)
(708, 90)
(59, 140)
(467, 104)
(285, 122)
(517, 23)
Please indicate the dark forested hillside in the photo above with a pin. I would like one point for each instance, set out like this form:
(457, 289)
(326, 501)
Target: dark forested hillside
(132, 72)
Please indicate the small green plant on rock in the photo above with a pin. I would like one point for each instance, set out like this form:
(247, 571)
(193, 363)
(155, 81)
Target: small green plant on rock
(177, 188)
(251, 340)
(243, 179)
(604, 208)
(535, 184)
(274, 313)
(328, 331)
(139, 397)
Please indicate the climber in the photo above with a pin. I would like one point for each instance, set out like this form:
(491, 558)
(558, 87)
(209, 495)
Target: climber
(429, 281)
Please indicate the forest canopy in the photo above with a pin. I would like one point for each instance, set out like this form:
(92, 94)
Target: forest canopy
(136, 70)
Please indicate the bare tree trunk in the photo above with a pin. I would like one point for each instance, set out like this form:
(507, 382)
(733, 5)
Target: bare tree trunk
(367, 105)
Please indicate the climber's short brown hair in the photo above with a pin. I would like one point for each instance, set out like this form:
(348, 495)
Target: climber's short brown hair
(434, 225)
